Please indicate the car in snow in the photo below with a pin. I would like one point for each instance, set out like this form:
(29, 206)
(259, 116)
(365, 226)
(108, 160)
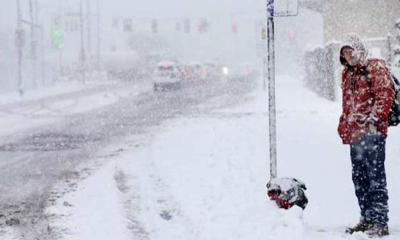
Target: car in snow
(123, 65)
(193, 71)
(167, 76)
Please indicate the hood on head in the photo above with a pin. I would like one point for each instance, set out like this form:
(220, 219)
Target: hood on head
(353, 41)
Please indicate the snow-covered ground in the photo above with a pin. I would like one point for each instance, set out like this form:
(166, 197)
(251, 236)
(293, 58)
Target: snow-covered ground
(204, 177)
(46, 105)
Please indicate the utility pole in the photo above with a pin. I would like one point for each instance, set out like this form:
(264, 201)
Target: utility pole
(82, 50)
(98, 34)
(33, 42)
(58, 36)
(19, 41)
(89, 32)
(40, 43)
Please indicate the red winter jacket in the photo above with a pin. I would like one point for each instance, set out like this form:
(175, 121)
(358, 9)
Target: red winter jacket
(365, 100)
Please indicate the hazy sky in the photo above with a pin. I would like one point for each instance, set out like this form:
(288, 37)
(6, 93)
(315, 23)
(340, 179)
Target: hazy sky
(174, 8)
(145, 8)
(184, 7)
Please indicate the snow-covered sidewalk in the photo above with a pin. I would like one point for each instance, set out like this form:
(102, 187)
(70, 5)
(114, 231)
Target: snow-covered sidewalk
(204, 177)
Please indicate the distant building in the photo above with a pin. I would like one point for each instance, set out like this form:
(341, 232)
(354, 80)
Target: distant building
(367, 18)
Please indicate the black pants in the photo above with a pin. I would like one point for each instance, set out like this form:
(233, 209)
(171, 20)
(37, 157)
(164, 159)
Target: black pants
(369, 178)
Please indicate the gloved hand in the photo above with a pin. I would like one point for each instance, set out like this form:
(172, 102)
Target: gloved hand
(371, 121)
(372, 128)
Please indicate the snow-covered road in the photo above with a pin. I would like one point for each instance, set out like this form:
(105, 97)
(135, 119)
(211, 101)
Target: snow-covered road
(59, 148)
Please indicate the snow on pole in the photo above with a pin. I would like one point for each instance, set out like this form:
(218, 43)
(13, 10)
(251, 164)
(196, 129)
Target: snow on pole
(271, 89)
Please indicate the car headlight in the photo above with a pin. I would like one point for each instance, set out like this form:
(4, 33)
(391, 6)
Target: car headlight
(225, 70)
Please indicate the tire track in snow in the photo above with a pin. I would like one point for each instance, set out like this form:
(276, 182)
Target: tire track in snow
(150, 204)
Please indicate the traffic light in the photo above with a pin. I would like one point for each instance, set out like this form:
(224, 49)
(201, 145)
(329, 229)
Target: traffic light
(115, 23)
(178, 27)
(203, 26)
(234, 28)
(57, 37)
(154, 26)
(128, 25)
(186, 26)
(292, 35)
(57, 34)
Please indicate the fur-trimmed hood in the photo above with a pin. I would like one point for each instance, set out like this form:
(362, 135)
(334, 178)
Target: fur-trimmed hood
(353, 41)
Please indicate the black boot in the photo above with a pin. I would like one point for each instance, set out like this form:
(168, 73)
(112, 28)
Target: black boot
(378, 231)
(362, 226)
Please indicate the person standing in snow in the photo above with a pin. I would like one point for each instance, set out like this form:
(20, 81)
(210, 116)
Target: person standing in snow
(367, 95)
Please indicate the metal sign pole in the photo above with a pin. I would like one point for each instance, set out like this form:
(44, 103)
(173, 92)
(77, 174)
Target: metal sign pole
(280, 190)
(271, 89)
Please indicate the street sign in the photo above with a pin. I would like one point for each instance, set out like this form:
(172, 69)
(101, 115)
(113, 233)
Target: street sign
(282, 8)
